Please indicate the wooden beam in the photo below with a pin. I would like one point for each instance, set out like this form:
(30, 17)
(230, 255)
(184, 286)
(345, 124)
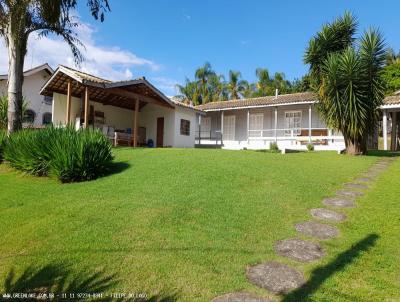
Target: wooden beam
(134, 96)
(68, 114)
(86, 108)
(135, 123)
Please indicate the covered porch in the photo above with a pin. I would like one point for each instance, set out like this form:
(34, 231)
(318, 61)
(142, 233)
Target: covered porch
(291, 126)
(390, 126)
(128, 112)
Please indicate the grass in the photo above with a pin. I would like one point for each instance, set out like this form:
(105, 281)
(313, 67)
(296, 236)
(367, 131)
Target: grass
(182, 225)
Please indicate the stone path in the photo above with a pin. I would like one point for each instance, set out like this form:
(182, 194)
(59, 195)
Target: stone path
(240, 297)
(275, 277)
(280, 278)
(317, 230)
(339, 202)
(328, 215)
(299, 250)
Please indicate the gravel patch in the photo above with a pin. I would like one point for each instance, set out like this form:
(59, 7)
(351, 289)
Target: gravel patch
(240, 297)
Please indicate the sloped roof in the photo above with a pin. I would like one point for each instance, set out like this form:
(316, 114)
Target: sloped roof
(104, 91)
(284, 99)
(265, 101)
(46, 67)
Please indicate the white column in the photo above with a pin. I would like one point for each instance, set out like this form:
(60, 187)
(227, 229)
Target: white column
(276, 124)
(222, 124)
(248, 125)
(199, 129)
(393, 140)
(384, 130)
(309, 124)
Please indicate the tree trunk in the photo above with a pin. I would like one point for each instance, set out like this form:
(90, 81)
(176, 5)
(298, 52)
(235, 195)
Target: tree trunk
(355, 146)
(16, 58)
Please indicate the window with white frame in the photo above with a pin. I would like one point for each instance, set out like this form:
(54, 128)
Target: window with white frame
(256, 125)
(292, 122)
(205, 127)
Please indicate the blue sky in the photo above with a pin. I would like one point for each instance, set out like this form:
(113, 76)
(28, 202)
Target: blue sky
(167, 40)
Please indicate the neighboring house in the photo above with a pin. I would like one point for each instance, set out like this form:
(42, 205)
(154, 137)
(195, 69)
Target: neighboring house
(391, 121)
(38, 111)
(132, 111)
(290, 120)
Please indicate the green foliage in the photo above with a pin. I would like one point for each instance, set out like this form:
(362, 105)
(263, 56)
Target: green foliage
(310, 147)
(274, 147)
(347, 79)
(63, 152)
(4, 111)
(208, 86)
(3, 136)
(391, 78)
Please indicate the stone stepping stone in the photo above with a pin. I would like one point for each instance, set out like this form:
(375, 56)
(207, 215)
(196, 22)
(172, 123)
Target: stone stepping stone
(356, 186)
(299, 250)
(339, 202)
(325, 214)
(275, 277)
(317, 230)
(348, 193)
(240, 297)
(364, 179)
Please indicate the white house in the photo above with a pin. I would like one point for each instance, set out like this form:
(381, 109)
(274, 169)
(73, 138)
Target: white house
(131, 111)
(290, 120)
(38, 112)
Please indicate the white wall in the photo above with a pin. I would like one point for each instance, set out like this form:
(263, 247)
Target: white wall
(30, 91)
(185, 141)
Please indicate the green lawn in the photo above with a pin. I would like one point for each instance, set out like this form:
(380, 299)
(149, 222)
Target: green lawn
(184, 224)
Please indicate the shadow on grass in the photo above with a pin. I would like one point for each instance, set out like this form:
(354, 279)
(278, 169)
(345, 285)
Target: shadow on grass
(381, 153)
(67, 285)
(321, 274)
(116, 168)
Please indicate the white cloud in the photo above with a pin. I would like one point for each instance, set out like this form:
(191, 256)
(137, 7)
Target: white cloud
(165, 84)
(112, 63)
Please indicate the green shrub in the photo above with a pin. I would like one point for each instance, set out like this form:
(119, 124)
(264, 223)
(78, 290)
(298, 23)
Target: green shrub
(80, 155)
(3, 135)
(63, 152)
(310, 147)
(274, 147)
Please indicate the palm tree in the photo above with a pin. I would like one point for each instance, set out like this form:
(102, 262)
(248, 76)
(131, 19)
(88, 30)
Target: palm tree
(392, 57)
(347, 79)
(19, 19)
(217, 88)
(263, 82)
(235, 86)
(189, 93)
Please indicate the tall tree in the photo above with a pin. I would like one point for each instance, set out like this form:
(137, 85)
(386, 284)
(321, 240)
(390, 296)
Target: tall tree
(263, 83)
(347, 79)
(18, 20)
(189, 93)
(235, 86)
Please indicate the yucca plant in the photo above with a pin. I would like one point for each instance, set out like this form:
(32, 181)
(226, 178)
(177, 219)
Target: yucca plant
(3, 136)
(65, 153)
(347, 79)
(80, 155)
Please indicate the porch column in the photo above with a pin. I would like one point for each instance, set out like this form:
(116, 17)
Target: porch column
(384, 130)
(309, 124)
(393, 141)
(86, 109)
(248, 125)
(199, 128)
(135, 123)
(222, 125)
(68, 113)
(276, 124)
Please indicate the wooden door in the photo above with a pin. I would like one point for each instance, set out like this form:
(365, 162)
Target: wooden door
(160, 132)
(229, 128)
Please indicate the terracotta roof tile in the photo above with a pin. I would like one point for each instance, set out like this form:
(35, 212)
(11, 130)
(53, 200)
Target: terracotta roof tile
(303, 97)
